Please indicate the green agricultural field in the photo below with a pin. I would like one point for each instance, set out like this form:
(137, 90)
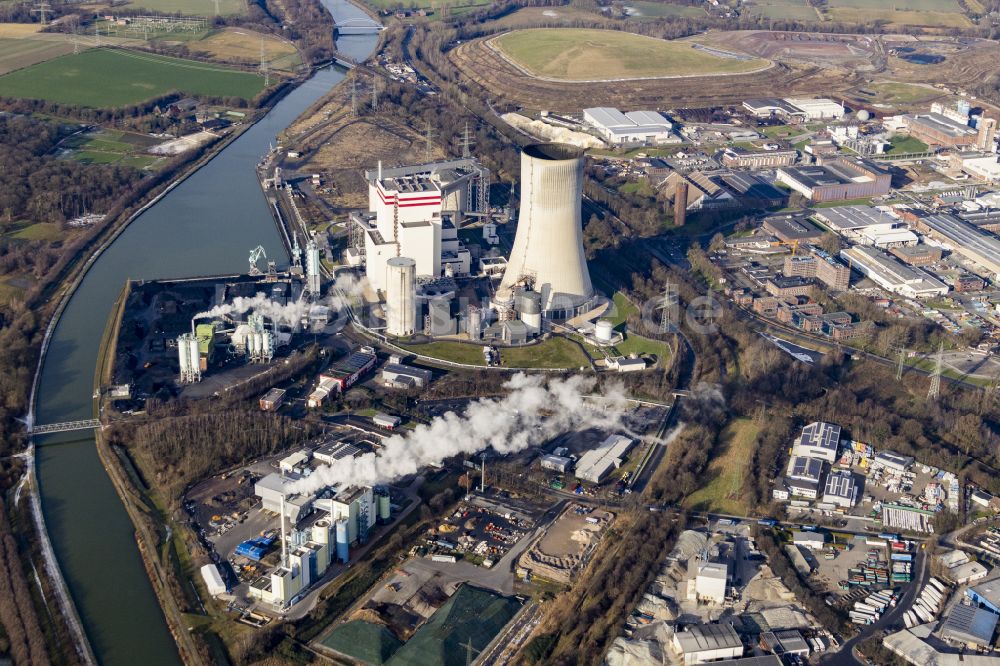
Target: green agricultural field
(572, 54)
(902, 93)
(16, 52)
(899, 17)
(901, 5)
(644, 9)
(798, 10)
(726, 471)
(192, 7)
(106, 78)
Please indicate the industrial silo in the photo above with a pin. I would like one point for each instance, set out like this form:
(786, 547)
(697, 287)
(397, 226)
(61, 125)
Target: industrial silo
(604, 331)
(548, 246)
(182, 358)
(321, 535)
(401, 296)
(384, 507)
(474, 324)
(528, 304)
(342, 541)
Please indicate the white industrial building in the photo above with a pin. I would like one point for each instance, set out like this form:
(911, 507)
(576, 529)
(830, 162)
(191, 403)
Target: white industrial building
(982, 168)
(810, 540)
(893, 275)
(701, 643)
(866, 225)
(803, 476)
(617, 128)
(707, 581)
(414, 212)
(817, 108)
(595, 465)
(818, 440)
(213, 580)
(548, 246)
(840, 489)
(274, 487)
(560, 464)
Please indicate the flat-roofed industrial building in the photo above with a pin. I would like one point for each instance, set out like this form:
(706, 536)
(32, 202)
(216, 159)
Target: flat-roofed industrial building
(837, 179)
(978, 246)
(595, 465)
(893, 275)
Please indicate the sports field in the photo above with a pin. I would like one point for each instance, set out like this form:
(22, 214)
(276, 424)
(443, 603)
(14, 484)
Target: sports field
(192, 7)
(110, 78)
(571, 54)
(240, 45)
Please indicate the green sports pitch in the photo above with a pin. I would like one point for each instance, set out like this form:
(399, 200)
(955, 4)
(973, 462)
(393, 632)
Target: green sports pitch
(112, 78)
(572, 54)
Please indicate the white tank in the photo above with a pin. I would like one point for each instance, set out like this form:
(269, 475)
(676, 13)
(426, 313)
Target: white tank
(183, 358)
(254, 344)
(603, 330)
(194, 354)
(401, 296)
(266, 345)
(532, 320)
(475, 324)
(239, 337)
(321, 531)
(548, 245)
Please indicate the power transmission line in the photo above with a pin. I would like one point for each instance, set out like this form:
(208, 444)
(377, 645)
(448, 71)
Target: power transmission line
(934, 392)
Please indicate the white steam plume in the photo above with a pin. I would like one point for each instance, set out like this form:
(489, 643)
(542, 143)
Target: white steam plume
(534, 411)
(345, 288)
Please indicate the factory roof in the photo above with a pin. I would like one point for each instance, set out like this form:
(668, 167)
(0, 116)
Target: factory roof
(970, 625)
(990, 591)
(804, 469)
(443, 168)
(749, 185)
(802, 484)
(844, 218)
(941, 123)
(763, 660)
(409, 184)
(336, 451)
(893, 459)
(836, 172)
(791, 641)
(400, 369)
(807, 103)
(819, 434)
(607, 116)
(807, 537)
(770, 103)
(918, 651)
(647, 118)
(716, 570)
(891, 273)
(841, 484)
(708, 637)
(274, 394)
(791, 228)
(953, 558)
(638, 129)
(968, 571)
(594, 463)
(966, 239)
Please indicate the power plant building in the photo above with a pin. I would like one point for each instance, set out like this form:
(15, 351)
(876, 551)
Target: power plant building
(548, 246)
(414, 212)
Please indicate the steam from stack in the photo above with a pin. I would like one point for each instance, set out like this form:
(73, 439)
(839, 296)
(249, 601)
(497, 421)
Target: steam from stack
(534, 411)
(345, 288)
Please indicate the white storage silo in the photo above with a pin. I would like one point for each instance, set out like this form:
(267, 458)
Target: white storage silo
(603, 331)
(194, 355)
(529, 308)
(548, 245)
(266, 345)
(183, 358)
(474, 325)
(342, 541)
(401, 296)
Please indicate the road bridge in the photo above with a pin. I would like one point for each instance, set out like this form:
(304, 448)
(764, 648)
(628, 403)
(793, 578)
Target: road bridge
(65, 426)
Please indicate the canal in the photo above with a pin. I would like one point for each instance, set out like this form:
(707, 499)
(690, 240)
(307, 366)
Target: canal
(206, 225)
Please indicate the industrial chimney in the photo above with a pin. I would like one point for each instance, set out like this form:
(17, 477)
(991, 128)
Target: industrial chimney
(680, 202)
(548, 246)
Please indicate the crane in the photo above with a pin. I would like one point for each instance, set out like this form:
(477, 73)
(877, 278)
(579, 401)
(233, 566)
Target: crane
(256, 255)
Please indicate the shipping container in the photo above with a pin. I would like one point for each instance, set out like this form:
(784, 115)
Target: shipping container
(937, 584)
(902, 557)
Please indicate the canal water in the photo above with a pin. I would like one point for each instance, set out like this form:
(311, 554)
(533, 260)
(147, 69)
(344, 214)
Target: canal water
(206, 225)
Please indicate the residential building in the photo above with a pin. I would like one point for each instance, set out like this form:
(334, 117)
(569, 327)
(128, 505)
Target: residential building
(783, 286)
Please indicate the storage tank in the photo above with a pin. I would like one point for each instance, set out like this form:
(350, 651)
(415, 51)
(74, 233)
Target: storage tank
(384, 507)
(401, 296)
(194, 355)
(342, 541)
(604, 330)
(474, 326)
(528, 304)
(321, 531)
(548, 245)
(963, 107)
(266, 345)
(182, 357)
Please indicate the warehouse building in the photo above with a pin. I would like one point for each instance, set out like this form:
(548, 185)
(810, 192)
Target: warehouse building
(595, 465)
(893, 461)
(969, 626)
(841, 489)
(849, 221)
(986, 595)
(773, 107)
(701, 643)
(917, 255)
(791, 228)
(977, 246)
(936, 129)
(402, 376)
(707, 581)
(817, 108)
(741, 158)
(753, 191)
(617, 128)
(560, 464)
(986, 169)
(837, 179)
(803, 476)
(810, 540)
(893, 275)
(916, 650)
(969, 572)
(818, 440)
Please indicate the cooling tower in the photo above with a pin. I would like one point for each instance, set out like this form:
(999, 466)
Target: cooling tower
(548, 246)
(401, 296)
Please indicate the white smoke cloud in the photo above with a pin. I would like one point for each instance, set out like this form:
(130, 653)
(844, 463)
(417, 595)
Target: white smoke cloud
(340, 294)
(534, 410)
